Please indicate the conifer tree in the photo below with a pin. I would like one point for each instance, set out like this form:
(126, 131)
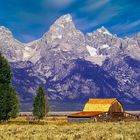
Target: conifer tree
(40, 105)
(5, 71)
(9, 105)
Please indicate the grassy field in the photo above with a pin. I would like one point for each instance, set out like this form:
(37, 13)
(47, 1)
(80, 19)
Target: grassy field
(60, 129)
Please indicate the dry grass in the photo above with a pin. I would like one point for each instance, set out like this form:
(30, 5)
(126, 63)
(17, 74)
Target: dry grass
(61, 130)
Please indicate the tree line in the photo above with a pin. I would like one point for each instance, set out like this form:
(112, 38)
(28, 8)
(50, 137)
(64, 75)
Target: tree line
(9, 102)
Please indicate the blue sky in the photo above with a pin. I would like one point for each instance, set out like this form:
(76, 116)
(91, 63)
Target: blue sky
(29, 19)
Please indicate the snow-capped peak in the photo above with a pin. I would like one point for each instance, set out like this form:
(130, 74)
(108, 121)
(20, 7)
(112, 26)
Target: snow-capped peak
(5, 32)
(62, 30)
(103, 30)
(65, 18)
(3, 28)
(64, 21)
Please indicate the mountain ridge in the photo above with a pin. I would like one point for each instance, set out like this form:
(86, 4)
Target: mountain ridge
(72, 66)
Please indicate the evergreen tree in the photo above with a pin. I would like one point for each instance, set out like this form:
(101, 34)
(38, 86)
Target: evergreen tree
(5, 71)
(9, 105)
(14, 103)
(40, 105)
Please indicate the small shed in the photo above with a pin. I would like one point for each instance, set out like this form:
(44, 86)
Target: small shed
(98, 107)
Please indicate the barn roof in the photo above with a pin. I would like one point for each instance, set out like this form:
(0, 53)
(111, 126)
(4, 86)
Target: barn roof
(101, 100)
(99, 105)
(85, 114)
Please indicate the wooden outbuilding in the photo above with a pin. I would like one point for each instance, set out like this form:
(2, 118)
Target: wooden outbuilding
(108, 105)
(98, 108)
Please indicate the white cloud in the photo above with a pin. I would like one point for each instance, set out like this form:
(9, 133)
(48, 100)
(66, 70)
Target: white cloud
(133, 24)
(99, 13)
(93, 5)
(125, 27)
(105, 16)
(99, 20)
(83, 24)
(58, 3)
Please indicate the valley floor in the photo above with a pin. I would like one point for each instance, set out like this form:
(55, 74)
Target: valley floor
(71, 131)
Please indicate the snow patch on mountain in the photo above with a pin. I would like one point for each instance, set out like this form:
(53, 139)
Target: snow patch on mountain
(96, 59)
(91, 50)
(104, 46)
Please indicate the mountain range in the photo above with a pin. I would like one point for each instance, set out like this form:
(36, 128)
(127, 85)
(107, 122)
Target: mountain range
(72, 66)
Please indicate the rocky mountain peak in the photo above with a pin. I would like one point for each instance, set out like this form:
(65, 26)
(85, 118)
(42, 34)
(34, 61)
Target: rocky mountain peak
(64, 19)
(103, 30)
(64, 37)
(3, 28)
(137, 38)
(138, 34)
(9, 46)
(101, 44)
(5, 32)
(62, 28)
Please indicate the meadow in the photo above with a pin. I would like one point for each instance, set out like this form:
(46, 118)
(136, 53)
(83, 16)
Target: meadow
(60, 129)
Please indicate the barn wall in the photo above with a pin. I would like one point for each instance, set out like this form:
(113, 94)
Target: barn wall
(79, 119)
(116, 107)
